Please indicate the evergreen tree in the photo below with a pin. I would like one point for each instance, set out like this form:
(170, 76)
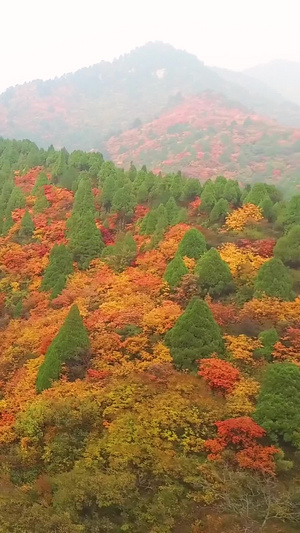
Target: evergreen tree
(149, 223)
(124, 203)
(40, 182)
(71, 342)
(193, 244)
(220, 185)
(120, 255)
(219, 211)
(85, 240)
(194, 336)
(256, 195)
(268, 338)
(162, 219)
(108, 192)
(16, 200)
(208, 197)
(59, 267)
(191, 190)
(291, 215)
(268, 209)
(273, 279)
(278, 405)
(84, 199)
(232, 192)
(41, 202)
(175, 271)
(142, 194)
(27, 227)
(172, 211)
(287, 248)
(214, 274)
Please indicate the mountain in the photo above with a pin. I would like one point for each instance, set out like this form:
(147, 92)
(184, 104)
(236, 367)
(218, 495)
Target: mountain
(280, 75)
(82, 110)
(205, 136)
(149, 350)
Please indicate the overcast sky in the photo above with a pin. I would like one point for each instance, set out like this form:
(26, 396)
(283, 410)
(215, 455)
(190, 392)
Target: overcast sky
(40, 39)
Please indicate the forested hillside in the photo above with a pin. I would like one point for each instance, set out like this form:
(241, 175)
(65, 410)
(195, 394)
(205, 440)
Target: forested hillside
(149, 349)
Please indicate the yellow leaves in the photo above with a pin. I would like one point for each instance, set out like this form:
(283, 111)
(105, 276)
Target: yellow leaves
(15, 287)
(243, 263)
(242, 347)
(161, 354)
(272, 309)
(247, 214)
(240, 402)
(189, 262)
(161, 319)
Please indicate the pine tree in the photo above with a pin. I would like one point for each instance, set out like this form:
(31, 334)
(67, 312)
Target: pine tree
(40, 182)
(214, 274)
(172, 211)
(121, 254)
(27, 227)
(287, 247)
(194, 336)
(108, 192)
(193, 244)
(220, 185)
(191, 190)
(124, 203)
(149, 223)
(208, 197)
(175, 271)
(59, 267)
(273, 279)
(41, 202)
(162, 219)
(16, 200)
(278, 405)
(219, 211)
(232, 192)
(71, 342)
(268, 338)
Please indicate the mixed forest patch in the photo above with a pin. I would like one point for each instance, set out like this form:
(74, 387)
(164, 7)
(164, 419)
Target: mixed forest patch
(150, 349)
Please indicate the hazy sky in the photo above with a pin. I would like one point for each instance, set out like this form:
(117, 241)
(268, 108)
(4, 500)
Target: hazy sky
(40, 39)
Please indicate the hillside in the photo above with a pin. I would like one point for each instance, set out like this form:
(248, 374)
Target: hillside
(82, 110)
(208, 135)
(282, 76)
(149, 349)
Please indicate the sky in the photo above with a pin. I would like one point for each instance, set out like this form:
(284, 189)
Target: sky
(40, 39)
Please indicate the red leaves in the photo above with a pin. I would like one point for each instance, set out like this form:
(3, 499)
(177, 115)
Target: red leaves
(220, 375)
(242, 434)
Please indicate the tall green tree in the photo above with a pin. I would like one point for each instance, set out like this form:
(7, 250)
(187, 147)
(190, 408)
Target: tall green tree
(214, 274)
(273, 279)
(194, 336)
(16, 200)
(27, 227)
(40, 182)
(219, 211)
(121, 254)
(59, 268)
(41, 202)
(278, 405)
(175, 271)
(193, 244)
(71, 342)
(287, 247)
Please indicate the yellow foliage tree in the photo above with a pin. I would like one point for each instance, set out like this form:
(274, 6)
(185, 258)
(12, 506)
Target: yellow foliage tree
(247, 214)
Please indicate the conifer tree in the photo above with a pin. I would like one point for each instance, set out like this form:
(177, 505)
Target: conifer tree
(27, 227)
(278, 405)
(124, 203)
(219, 211)
(214, 274)
(208, 197)
(232, 192)
(40, 182)
(59, 267)
(41, 202)
(194, 336)
(175, 271)
(149, 223)
(193, 244)
(287, 247)
(172, 211)
(71, 342)
(16, 200)
(121, 254)
(273, 279)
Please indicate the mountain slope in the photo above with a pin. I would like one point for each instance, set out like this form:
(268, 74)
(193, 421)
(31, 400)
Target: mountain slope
(84, 109)
(207, 136)
(282, 76)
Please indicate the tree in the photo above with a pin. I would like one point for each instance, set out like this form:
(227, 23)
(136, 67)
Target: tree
(71, 342)
(194, 336)
(256, 195)
(121, 254)
(108, 191)
(149, 223)
(193, 244)
(16, 200)
(41, 202)
(192, 189)
(59, 268)
(208, 197)
(273, 279)
(268, 338)
(232, 192)
(220, 375)
(278, 405)
(40, 182)
(172, 211)
(27, 227)
(124, 203)
(220, 185)
(219, 211)
(85, 240)
(287, 248)
(291, 215)
(175, 271)
(214, 274)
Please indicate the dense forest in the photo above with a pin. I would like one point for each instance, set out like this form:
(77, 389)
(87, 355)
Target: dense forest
(150, 335)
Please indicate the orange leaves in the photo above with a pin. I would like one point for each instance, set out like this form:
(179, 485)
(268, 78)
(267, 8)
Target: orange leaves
(169, 245)
(219, 374)
(242, 434)
(288, 349)
(242, 347)
(247, 214)
(271, 310)
(160, 319)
